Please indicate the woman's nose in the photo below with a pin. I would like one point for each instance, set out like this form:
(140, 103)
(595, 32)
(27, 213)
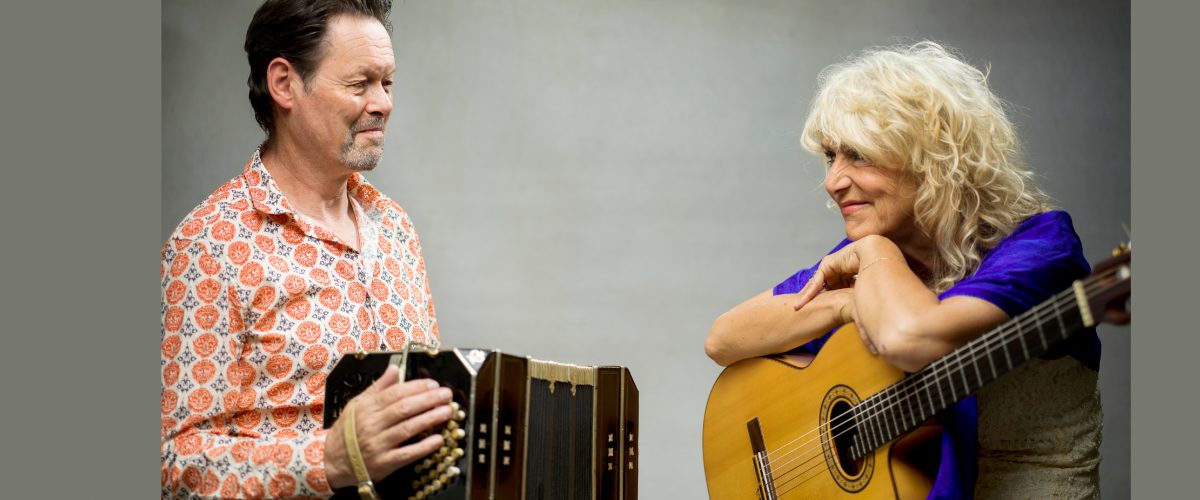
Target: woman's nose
(836, 178)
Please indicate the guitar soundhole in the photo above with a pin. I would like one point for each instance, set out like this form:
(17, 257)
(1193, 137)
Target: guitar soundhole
(843, 430)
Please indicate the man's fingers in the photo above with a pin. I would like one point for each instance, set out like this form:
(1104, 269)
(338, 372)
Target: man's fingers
(398, 410)
(390, 377)
(405, 430)
(408, 389)
(382, 393)
(404, 455)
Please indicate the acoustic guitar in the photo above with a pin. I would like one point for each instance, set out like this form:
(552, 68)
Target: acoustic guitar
(846, 423)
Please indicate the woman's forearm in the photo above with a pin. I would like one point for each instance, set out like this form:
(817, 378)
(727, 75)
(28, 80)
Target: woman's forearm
(769, 324)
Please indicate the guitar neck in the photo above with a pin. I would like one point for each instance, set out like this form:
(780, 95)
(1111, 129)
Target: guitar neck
(906, 404)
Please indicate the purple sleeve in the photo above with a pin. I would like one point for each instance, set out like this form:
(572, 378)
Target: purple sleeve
(795, 282)
(1040, 258)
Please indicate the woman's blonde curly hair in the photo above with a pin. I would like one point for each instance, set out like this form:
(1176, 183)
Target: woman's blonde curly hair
(922, 109)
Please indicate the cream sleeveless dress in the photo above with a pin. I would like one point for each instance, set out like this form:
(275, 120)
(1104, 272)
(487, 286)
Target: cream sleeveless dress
(1039, 432)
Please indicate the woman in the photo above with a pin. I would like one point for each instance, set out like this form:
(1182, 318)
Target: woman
(946, 237)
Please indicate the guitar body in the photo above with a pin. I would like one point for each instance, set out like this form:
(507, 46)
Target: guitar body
(846, 423)
(794, 406)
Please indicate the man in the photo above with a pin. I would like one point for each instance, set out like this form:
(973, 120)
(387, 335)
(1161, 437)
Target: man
(290, 264)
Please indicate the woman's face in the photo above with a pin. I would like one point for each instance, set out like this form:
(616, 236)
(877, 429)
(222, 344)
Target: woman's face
(873, 199)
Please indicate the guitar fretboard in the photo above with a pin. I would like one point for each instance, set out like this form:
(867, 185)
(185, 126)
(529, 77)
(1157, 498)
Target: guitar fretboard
(906, 404)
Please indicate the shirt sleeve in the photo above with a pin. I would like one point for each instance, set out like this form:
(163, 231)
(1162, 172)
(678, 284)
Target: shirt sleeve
(1042, 257)
(796, 282)
(211, 408)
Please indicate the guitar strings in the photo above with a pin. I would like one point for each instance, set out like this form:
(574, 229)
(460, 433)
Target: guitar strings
(880, 402)
(861, 409)
(870, 409)
(874, 408)
(985, 341)
(876, 405)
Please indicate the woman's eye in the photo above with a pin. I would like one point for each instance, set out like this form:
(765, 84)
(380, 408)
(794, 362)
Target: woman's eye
(829, 156)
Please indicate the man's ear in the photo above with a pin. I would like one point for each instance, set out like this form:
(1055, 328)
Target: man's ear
(283, 82)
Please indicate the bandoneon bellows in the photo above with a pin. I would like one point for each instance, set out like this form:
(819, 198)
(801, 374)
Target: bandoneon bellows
(523, 429)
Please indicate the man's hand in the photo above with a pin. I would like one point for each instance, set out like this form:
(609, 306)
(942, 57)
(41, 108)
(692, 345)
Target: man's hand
(388, 414)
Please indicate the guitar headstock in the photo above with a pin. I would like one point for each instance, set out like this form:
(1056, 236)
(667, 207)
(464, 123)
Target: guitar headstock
(1109, 286)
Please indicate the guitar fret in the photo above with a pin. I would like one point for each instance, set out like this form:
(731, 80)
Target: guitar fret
(1021, 337)
(1037, 320)
(946, 378)
(1004, 347)
(873, 441)
(924, 383)
(962, 371)
(991, 362)
(907, 402)
(879, 429)
(937, 383)
(865, 429)
(885, 423)
(893, 415)
(975, 363)
(1058, 315)
(928, 399)
(894, 408)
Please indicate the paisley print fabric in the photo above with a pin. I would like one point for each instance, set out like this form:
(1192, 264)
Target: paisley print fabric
(258, 303)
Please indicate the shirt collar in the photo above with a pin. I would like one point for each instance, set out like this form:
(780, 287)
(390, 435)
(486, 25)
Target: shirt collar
(267, 198)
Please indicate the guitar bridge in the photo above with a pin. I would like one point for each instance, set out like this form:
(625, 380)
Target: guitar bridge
(762, 466)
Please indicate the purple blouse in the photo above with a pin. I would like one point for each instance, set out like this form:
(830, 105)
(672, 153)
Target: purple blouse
(1040, 258)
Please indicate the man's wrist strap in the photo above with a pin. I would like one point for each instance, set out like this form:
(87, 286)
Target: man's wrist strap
(366, 489)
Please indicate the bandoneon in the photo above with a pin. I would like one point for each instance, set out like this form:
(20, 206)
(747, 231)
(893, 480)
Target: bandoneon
(522, 429)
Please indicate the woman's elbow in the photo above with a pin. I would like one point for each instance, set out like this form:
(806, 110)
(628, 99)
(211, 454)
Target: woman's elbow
(715, 346)
(904, 349)
(715, 349)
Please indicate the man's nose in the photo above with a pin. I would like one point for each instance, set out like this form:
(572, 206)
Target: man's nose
(379, 101)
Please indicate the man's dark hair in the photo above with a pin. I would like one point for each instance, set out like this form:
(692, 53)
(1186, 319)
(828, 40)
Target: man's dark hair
(294, 30)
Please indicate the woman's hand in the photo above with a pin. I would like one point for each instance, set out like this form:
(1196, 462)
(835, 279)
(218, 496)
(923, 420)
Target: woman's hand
(836, 271)
(841, 303)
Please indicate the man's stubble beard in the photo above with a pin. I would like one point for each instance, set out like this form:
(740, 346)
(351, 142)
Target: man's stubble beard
(361, 159)
(366, 158)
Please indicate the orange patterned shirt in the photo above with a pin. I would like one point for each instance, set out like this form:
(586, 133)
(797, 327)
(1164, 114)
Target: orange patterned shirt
(258, 302)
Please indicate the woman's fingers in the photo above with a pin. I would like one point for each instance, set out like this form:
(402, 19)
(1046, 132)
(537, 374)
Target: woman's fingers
(814, 286)
(862, 333)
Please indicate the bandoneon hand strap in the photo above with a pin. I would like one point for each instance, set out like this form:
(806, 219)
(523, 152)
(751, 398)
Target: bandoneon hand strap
(366, 489)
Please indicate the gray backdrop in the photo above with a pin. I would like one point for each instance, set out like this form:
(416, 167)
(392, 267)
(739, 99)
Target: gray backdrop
(595, 181)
